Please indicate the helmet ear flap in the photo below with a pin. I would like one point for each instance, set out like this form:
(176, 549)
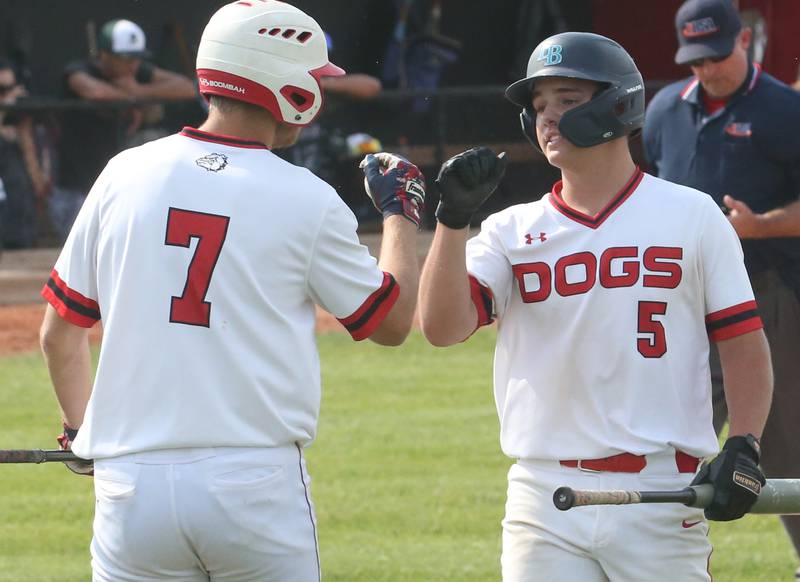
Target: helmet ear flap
(528, 122)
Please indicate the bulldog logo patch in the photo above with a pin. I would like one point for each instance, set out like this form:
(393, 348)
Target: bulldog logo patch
(213, 162)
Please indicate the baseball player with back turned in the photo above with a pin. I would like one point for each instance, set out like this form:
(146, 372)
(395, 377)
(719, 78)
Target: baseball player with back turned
(606, 292)
(205, 255)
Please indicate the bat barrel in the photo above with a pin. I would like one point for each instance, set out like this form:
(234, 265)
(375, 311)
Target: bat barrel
(22, 456)
(781, 496)
(36, 456)
(778, 496)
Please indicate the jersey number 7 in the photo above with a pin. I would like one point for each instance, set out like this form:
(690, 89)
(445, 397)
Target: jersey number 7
(210, 230)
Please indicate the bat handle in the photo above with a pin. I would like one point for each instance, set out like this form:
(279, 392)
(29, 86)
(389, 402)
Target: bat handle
(564, 498)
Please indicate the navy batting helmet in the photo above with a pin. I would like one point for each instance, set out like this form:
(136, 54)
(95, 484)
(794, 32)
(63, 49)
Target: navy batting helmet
(617, 109)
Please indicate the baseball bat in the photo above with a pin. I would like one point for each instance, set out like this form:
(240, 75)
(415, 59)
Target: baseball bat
(778, 496)
(37, 456)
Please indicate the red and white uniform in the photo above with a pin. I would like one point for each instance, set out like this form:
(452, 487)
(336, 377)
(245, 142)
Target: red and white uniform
(204, 256)
(604, 321)
(601, 371)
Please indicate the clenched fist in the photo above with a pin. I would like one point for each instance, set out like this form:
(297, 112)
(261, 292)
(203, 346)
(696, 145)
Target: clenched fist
(736, 478)
(395, 185)
(465, 182)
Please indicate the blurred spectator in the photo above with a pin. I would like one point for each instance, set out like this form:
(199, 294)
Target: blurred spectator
(22, 179)
(90, 137)
(417, 51)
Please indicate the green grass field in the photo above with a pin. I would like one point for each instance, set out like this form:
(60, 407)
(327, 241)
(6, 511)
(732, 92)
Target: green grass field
(409, 482)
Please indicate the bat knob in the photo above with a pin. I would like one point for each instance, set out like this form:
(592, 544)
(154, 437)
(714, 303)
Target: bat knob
(564, 498)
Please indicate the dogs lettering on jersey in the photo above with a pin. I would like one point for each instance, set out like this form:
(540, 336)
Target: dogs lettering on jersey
(661, 267)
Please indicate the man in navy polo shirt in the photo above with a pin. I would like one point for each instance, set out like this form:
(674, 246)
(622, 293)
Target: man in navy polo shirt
(733, 131)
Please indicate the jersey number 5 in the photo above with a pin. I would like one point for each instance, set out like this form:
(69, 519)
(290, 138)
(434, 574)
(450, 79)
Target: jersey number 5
(654, 346)
(210, 230)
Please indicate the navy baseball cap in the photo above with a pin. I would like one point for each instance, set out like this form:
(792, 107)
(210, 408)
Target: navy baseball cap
(706, 29)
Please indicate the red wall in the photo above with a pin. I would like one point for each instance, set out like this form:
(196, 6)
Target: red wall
(647, 30)
(783, 28)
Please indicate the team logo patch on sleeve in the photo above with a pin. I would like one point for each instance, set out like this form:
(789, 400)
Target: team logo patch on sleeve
(213, 162)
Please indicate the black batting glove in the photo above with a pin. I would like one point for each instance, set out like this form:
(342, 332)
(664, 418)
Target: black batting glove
(465, 182)
(65, 441)
(736, 478)
(395, 185)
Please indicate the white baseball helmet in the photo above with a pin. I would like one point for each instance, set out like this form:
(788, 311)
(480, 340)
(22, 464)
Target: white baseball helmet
(267, 53)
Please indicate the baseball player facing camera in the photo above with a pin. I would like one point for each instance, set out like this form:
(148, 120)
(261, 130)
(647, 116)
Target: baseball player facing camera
(606, 293)
(205, 254)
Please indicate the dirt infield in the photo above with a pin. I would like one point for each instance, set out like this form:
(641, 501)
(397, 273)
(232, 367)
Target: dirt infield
(19, 327)
(23, 273)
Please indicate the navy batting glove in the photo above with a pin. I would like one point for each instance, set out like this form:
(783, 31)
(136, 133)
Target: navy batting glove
(65, 441)
(395, 185)
(465, 182)
(736, 478)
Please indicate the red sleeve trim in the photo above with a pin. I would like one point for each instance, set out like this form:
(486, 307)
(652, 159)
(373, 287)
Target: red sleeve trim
(69, 304)
(366, 319)
(733, 321)
(483, 299)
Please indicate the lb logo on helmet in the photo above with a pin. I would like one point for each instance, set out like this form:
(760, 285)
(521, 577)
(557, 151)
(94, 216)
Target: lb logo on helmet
(551, 55)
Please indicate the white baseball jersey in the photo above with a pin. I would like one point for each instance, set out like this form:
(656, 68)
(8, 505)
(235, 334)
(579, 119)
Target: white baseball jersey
(205, 255)
(604, 321)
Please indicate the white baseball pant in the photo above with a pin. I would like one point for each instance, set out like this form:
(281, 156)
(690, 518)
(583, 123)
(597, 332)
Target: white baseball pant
(646, 542)
(221, 515)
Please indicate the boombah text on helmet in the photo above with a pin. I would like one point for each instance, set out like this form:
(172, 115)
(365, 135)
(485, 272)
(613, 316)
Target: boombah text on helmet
(267, 53)
(616, 110)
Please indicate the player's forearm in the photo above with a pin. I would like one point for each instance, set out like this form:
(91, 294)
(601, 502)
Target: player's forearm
(101, 91)
(781, 222)
(170, 88)
(356, 85)
(747, 376)
(66, 352)
(399, 257)
(447, 314)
